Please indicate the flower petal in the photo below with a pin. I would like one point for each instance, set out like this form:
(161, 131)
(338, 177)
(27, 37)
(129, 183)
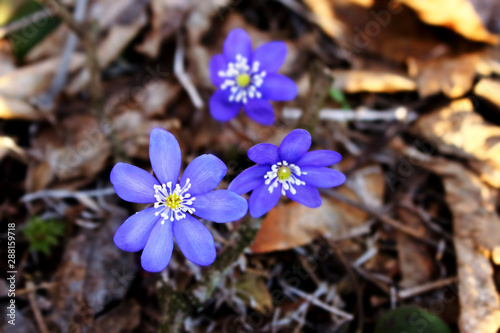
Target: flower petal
(264, 153)
(249, 179)
(158, 250)
(220, 206)
(260, 110)
(133, 234)
(319, 158)
(322, 177)
(271, 56)
(294, 145)
(165, 156)
(261, 201)
(133, 184)
(306, 195)
(237, 42)
(277, 87)
(195, 241)
(217, 64)
(205, 173)
(221, 108)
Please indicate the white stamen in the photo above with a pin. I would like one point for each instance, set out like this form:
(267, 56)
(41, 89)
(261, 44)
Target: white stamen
(162, 192)
(235, 69)
(287, 184)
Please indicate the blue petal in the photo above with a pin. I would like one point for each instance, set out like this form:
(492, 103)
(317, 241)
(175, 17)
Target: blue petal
(261, 201)
(133, 234)
(165, 156)
(277, 87)
(271, 56)
(260, 110)
(319, 158)
(220, 206)
(205, 173)
(221, 108)
(306, 195)
(295, 145)
(217, 64)
(264, 153)
(195, 241)
(322, 177)
(249, 179)
(158, 250)
(237, 42)
(133, 184)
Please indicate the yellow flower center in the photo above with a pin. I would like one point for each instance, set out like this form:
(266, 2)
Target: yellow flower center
(284, 173)
(243, 80)
(173, 201)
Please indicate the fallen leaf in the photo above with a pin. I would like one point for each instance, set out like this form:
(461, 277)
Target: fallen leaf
(78, 148)
(489, 89)
(476, 235)
(355, 81)
(458, 130)
(459, 15)
(289, 225)
(126, 317)
(253, 290)
(93, 272)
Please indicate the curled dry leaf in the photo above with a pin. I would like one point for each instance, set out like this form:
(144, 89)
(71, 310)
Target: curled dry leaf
(354, 81)
(456, 129)
(289, 225)
(477, 236)
(453, 76)
(461, 16)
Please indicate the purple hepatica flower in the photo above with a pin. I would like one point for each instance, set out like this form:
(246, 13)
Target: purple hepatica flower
(248, 79)
(288, 170)
(154, 228)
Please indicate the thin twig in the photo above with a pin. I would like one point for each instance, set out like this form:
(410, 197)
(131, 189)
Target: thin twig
(387, 220)
(361, 114)
(36, 311)
(410, 292)
(320, 303)
(67, 17)
(181, 73)
(59, 194)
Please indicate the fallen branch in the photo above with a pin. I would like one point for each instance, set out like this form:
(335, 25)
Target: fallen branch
(360, 114)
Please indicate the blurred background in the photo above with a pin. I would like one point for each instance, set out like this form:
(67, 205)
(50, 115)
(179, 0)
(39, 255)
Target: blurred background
(407, 91)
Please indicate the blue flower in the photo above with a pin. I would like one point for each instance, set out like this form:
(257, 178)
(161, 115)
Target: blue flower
(248, 79)
(288, 170)
(175, 202)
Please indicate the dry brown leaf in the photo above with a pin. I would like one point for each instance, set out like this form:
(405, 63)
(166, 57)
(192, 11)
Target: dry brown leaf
(477, 235)
(81, 154)
(159, 95)
(453, 76)
(489, 89)
(126, 317)
(13, 108)
(416, 261)
(93, 272)
(354, 81)
(253, 290)
(289, 225)
(459, 15)
(50, 46)
(458, 130)
(168, 15)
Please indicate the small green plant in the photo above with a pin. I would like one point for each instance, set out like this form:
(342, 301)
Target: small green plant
(338, 96)
(43, 234)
